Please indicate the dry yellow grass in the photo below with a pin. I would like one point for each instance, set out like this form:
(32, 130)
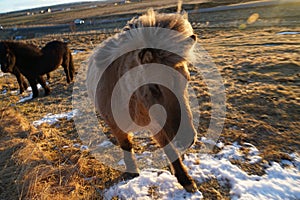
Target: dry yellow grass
(260, 70)
(262, 108)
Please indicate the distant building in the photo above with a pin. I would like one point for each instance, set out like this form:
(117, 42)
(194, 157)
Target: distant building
(78, 21)
(128, 1)
(125, 1)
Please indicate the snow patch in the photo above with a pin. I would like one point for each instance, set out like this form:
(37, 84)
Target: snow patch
(76, 51)
(281, 181)
(24, 99)
(151, 183)
(15, 92)
(29, 89)
(4, 92)
(105, 144)
(54, 118)
(288, 33)
(273, 185)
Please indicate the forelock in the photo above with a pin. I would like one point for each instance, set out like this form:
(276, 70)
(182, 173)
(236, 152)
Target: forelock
(173, 21)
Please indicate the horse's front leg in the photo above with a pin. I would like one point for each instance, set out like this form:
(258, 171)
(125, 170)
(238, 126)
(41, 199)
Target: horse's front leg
(125, 143)
(24, 84)
(177, 165)
(33, 84)
(42, 81)
(67, 72)
(21, 80)
(68, 66)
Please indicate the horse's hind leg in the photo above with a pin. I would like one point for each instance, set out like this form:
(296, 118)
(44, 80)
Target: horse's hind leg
(42, 81)
(71, 67)
(177, 165)
(67, 74)
(125, 143)
(66, 66)
(48, 76)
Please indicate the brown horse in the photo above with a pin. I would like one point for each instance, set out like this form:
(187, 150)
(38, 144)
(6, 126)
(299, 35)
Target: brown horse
(33, 62)
(146, 95)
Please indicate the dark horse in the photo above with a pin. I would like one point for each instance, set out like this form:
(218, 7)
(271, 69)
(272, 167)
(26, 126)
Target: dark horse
(20, 78)
(33, 63)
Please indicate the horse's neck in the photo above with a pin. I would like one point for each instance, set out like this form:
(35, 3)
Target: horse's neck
(25, 51)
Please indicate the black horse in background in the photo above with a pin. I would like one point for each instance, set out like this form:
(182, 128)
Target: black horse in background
(33, 63)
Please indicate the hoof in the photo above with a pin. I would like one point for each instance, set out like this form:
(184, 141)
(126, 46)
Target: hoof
(47, 92)
(191, 187)
(130, 175)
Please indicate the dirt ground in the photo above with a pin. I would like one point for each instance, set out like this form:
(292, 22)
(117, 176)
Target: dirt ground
(260, 71)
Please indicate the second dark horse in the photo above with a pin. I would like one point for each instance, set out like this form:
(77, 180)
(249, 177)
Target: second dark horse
(33, 62)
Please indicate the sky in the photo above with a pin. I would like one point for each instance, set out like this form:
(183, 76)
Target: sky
(14, 5)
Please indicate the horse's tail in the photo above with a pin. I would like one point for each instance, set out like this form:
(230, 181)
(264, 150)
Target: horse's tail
(71, 66)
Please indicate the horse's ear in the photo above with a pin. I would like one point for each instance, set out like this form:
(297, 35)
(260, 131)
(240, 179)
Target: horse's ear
(146, 56)
(184, 14)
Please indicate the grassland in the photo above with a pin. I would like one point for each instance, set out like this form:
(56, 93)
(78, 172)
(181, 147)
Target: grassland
(260, 70)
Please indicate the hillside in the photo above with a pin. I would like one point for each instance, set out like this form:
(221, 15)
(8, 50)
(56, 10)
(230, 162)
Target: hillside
(256, 51)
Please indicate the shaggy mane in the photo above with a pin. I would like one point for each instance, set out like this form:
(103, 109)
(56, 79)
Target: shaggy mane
(26, 49)
(177, 22)
(169, 32)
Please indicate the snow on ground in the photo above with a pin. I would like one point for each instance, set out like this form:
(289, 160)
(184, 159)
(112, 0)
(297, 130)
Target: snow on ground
(288, 33)
(24, 99)
(76, 51)
(162, 183)
(281, 180)
(29, 89)
(54, 118)
(4, 92)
